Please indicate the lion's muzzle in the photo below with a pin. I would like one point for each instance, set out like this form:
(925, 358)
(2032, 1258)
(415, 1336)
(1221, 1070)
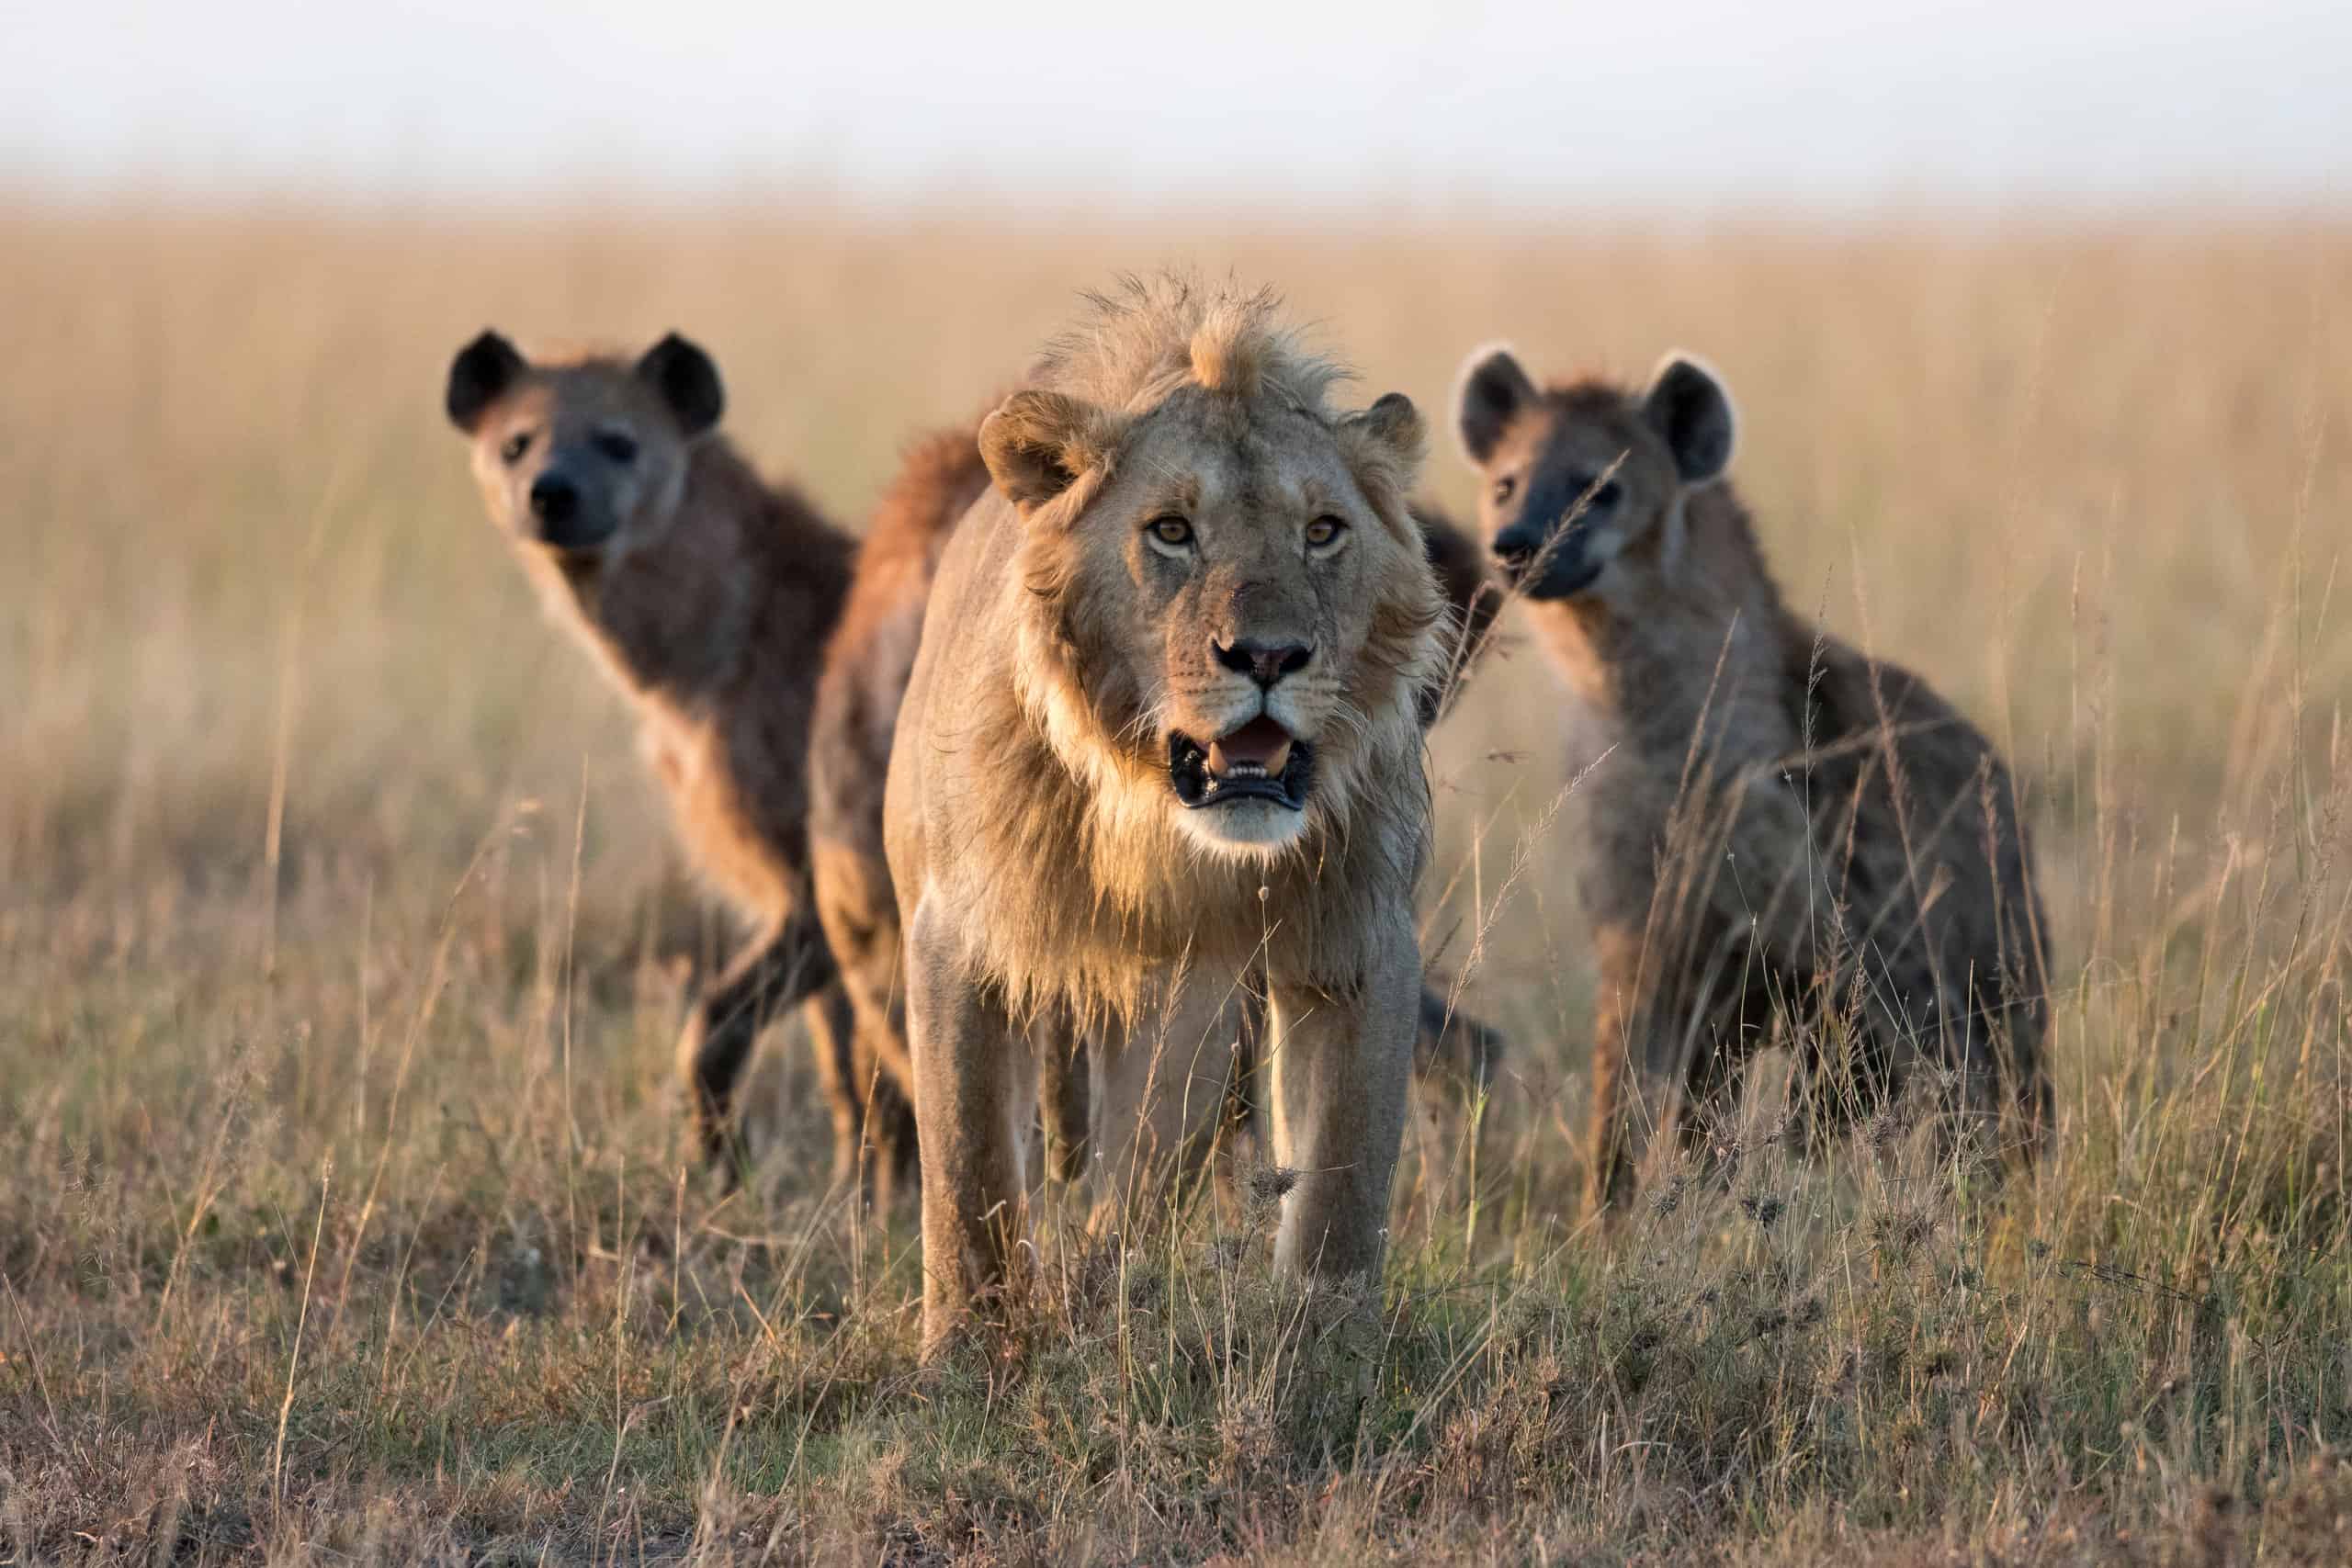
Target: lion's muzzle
(1260, 761)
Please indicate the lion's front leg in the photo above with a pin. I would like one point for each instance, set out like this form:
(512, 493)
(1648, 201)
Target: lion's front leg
(975, 1093)
(1339, 1064)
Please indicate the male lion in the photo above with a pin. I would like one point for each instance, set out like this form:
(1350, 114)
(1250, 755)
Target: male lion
(1778, 825)
(869, 659)
(1164, 732)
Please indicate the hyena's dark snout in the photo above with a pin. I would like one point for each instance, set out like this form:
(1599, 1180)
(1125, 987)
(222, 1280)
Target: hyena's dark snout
(562, 515)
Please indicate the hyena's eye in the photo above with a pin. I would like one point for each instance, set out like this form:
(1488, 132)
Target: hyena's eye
(1606, 496)
(517, 445)
(1504, 488)
(616, 444)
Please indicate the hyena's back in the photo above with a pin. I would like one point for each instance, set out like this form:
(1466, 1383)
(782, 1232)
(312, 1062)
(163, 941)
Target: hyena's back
(1917, 816)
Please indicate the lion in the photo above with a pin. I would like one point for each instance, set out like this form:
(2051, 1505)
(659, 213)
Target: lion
(1777, 826)
(869, 659)
(706, 595)
(1163, 731)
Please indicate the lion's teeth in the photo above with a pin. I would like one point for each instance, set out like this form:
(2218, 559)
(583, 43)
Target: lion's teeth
(1278, 758)
(1217, 758)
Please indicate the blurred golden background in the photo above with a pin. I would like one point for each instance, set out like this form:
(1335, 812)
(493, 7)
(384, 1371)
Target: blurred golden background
(2085, 477)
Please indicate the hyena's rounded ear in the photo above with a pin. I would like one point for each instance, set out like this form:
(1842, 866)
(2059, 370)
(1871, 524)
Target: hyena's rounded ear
(1491, 393)
(479, 376)
(1689, 408)
(1037, 444)
(687, 382)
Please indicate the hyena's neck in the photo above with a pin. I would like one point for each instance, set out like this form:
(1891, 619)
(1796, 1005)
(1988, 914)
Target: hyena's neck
(1707, 642)
(739, 567)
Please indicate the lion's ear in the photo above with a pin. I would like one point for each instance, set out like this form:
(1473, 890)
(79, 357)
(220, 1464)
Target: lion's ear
(1037, 443)
(1383, 447)
(1394, 426)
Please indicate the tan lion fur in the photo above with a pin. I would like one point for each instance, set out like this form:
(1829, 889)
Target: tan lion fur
(1043, 865)
(1777, 829)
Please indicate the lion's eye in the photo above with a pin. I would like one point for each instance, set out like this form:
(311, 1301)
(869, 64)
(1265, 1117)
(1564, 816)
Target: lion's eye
(1504, 488)
(1171, 532)
(517, 445)
(617, 446)
(1323, 532)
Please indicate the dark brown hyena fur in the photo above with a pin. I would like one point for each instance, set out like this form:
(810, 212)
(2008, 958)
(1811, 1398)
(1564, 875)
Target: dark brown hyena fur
(867, 663)
(1451, 1043)
(706, 596)
(1777, 829)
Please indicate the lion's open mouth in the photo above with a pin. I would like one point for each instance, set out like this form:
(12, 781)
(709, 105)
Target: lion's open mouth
(1258, 761)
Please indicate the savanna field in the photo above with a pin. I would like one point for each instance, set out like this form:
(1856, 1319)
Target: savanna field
(349, 1213)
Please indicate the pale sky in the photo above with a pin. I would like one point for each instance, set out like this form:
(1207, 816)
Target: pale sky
(1681, 105)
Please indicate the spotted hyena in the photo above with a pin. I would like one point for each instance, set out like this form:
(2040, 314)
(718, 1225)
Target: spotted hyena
(706, 595)
(1778, 829)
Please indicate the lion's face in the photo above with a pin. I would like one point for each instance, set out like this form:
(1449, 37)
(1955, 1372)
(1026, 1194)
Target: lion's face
(1230, 597)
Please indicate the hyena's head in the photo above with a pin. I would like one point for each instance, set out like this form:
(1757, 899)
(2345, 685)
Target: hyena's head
(582, 457)
(1585, 483)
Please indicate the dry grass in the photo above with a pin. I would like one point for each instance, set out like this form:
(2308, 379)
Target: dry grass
(346, 1217)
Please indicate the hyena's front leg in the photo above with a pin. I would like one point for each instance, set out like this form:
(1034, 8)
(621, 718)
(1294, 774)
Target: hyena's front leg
(1452, 1040)
(832, 1051)
(976, 1085)
(1628, 1101)
(1341, 1062)
(780, 969)
(1670, 1057)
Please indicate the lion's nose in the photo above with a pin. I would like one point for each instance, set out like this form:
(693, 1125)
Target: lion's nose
(1265, 663)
